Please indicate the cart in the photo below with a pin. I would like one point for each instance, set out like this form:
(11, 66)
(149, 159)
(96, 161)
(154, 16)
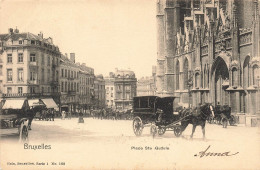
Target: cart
(13, 119)
(156, 112)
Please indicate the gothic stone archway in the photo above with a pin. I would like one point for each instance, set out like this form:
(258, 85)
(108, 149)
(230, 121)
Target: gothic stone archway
(220, 82)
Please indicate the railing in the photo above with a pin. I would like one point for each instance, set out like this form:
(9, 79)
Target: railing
(17, 95)
(72, 92)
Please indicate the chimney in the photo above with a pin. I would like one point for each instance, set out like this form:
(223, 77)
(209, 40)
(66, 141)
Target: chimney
(72, 57)
(50, 40)
(40, 35)
(66, 55)
(10, 30)
(16, 30)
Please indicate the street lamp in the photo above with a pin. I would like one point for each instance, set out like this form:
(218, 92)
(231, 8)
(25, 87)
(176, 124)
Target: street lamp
(190, 84)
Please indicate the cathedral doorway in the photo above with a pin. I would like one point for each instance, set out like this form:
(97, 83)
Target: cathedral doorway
(221, 82)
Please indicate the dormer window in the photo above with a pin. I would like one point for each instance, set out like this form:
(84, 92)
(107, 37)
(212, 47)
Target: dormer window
(32, 42)
(20, 42)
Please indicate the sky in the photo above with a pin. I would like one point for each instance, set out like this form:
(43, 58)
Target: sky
(104, 34)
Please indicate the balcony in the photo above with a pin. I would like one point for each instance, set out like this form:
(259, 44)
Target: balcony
(72, 92)
(54, 83)
(33, 64)
(33, 81)
(17, 95)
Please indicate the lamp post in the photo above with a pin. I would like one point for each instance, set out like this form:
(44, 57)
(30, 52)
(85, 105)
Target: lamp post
(190, 84)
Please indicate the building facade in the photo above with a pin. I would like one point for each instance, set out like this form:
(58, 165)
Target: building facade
(86, 87)
(208, 51)
(110, 90)
(29, 66)
(69, 83)
(146, 86)
(99, 92)
(125, 88)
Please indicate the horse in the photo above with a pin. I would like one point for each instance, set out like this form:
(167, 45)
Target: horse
(196, 117)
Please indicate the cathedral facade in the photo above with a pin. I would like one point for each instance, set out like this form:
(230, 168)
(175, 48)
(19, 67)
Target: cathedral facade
(208, 51)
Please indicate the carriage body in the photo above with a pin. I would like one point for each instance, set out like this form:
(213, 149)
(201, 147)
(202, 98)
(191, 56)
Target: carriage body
(156, 112)
(14, 121)
(223, 116)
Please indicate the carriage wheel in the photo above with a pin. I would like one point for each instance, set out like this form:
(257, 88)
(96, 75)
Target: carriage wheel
(137, 126)
(210, 120)
(232, 120)
(153, 130)
(161, 131)
(24, 135)
(177, 131)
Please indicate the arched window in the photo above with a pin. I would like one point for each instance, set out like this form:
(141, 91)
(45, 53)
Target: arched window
(234, 77)
(177, 75)
(185, 73)
(255, 75)
(196, 80)
(246, 72)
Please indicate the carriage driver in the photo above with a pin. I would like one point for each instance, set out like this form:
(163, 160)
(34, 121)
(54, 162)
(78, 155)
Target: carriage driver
(159, 114)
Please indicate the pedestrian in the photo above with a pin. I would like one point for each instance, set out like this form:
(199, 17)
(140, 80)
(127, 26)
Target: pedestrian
(63, 115)
(81, 120)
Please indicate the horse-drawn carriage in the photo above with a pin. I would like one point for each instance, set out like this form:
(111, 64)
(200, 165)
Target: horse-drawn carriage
(156, 112)
(223, 116)
(14, 119)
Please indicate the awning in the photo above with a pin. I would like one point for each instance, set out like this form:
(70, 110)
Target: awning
(13, 104)
(50, 103)
(31, 101)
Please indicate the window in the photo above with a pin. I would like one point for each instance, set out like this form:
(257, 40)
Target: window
(111, 94)
(20, 57)
(62, 86)
(65, 73)
(111, 88)
(20, 90)
(9, 75)
(177, 75)
(9, 90)
(32, 76)
(234, 77)
(20, 74)
(255, 74)
(42, 89)
(62, 73)
(49, 73)
(32, 42)
(43, 80)
(20, 42)
(32, 58)
(9, 58)
(43, 62)
(1, 67)
(49, 60)
(185, 74)
(32, 89)
(197, 80)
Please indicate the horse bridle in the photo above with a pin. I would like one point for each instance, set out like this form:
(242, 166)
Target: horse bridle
(205, 115)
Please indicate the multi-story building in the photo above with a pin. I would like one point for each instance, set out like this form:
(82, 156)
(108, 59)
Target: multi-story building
(29, 66)
(86, 87)
(208, 51)
(146, 86)
(125, 88)
(110, 90)
(99, 92)
(69, 82)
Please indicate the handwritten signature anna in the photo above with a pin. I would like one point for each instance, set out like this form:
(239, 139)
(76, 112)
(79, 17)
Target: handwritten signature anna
(207, 153)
